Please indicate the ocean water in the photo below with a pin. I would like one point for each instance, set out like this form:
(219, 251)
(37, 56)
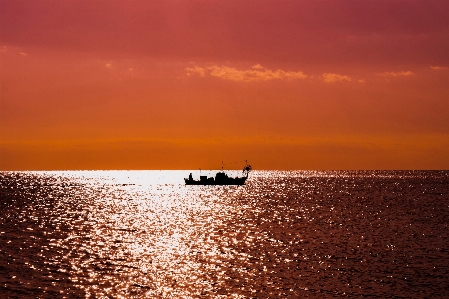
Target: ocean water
(285, 234)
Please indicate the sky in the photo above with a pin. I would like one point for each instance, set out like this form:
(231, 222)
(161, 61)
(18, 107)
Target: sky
(316, 84)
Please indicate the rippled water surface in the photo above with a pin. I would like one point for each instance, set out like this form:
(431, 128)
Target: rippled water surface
(143, 234)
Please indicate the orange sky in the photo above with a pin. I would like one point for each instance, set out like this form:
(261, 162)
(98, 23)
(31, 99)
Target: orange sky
(188, 84)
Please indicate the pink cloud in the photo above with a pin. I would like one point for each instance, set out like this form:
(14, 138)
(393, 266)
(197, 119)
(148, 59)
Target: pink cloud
(256, 73)
(437, 68)
(397, 74)
(330, 78)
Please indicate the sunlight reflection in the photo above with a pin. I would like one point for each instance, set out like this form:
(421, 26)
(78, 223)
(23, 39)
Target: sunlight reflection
(143, 234)
(149, 227)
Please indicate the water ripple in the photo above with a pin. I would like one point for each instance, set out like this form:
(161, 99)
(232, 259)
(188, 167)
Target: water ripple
(143, 234)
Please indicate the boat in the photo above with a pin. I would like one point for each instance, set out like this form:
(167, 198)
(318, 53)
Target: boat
(221, 178)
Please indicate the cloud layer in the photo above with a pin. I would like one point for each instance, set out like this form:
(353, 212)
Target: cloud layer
(293, 32)
(330, 78)
(438, 68)
(397, 74)
(256, 73)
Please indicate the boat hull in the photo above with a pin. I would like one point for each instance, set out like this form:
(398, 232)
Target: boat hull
(224, 182)
(221, 179)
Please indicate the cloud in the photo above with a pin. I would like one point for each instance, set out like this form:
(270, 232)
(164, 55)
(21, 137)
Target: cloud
(330, 78)
(257, 66)
(12, 50)
(437, 68)
(397, 74)
(196, 70)
(256, 73)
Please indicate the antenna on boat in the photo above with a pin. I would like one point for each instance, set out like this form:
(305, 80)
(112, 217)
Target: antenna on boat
(222, 165)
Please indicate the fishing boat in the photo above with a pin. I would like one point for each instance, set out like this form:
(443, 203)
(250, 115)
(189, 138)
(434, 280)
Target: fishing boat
(221, 178)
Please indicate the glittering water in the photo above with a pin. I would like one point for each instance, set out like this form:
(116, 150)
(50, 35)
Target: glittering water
(143, 234)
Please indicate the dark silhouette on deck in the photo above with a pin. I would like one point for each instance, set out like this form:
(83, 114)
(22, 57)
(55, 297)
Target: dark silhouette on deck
(221, 178)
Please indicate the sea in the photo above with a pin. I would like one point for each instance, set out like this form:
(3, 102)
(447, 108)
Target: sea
(284, 234)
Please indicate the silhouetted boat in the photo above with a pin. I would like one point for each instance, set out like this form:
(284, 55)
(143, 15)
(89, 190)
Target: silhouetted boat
(221, 178)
